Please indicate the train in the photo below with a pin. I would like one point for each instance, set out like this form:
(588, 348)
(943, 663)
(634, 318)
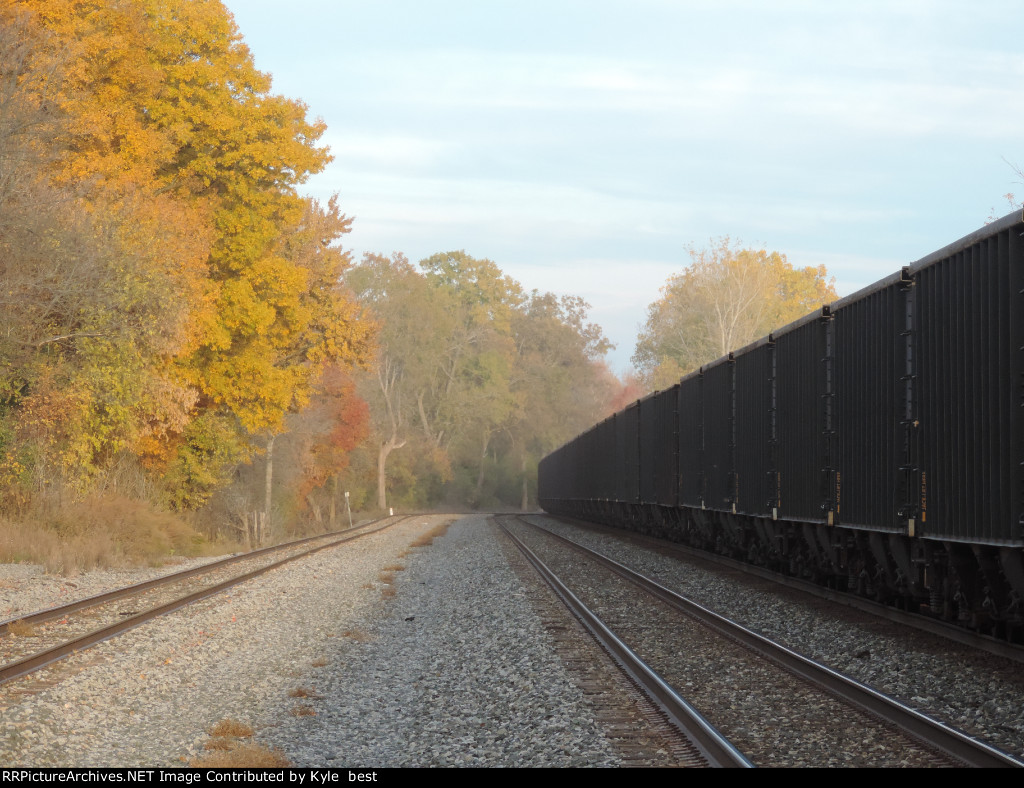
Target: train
(875, 446)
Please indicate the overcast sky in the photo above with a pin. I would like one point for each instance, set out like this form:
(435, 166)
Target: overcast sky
(584, 146)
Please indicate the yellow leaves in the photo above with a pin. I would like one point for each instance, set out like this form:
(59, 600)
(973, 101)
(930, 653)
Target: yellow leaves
(244, 315)
(727, 297)
(217, 285)
(105, 79)
(249, 384)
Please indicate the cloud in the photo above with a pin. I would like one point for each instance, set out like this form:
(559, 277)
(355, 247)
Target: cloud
(860, 86)
(396, 152)
(584, 145)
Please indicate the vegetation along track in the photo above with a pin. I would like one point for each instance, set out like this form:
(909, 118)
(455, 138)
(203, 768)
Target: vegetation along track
(32, 642)
(777, 707)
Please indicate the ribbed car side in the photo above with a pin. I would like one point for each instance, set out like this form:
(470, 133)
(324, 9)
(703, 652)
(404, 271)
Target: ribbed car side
(876, 446)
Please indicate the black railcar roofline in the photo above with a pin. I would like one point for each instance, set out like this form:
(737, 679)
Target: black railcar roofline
(810, 317)
(998, 226)
(656, 393)
(1008, 221)
(689, 376)
(717, 362)
(864, 292)
(754, 345)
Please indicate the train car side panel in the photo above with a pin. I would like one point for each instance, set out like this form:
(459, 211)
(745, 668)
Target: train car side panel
(658, 448)
(719, 436)
(801, 354)
(627, 454)
(691, 442)
(869, 368)
(969, 344)
(756, 471)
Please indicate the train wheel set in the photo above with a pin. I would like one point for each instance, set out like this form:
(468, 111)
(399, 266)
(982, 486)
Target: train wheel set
(875, 446)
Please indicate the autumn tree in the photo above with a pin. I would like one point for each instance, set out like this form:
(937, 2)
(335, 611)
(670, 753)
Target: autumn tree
(561, 383)
(335, 424)
(474, 378)
(95, 288)
(309, 458)
(472, 393)
(727, 297)
(414, 321)
(188, 297)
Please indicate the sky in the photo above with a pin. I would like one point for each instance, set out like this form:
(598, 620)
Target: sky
(586, 146)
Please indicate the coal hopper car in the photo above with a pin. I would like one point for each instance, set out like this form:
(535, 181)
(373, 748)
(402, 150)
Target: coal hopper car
(875, 446)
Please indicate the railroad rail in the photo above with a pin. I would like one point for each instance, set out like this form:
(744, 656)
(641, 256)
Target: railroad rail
(935, 735)
(919, 621)
(296, 549)
(712, 746)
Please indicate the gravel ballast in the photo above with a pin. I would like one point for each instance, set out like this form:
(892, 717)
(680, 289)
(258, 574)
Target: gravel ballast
(326, 668)
(448, 666)
(976, 692)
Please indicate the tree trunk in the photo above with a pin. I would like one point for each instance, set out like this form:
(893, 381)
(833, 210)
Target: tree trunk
(387, 377)
(268, 501)
(526, 488)
(382, 458)
(382, 479)
(480, 474)
(334, 500)
(315, 508)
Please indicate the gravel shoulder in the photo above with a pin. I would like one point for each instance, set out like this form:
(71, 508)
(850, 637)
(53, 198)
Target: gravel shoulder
(327, 667)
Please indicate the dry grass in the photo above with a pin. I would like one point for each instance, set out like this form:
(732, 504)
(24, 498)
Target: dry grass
(98, 532)
(388, 591)
(220, 743)
(319, 663)
(229, 728)
(303, 692)
(224, 750)
(22, 629)
(303, 710)
(427, 539)
(387, 574)
(242, 756)
(37, 543)
(357, 635)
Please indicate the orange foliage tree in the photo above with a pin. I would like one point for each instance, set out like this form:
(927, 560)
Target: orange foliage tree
(221, 300)
(336, 422)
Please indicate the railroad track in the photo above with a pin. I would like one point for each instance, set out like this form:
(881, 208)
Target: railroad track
(919, 621)
(30, 643)
(709, 746)
(803, 714)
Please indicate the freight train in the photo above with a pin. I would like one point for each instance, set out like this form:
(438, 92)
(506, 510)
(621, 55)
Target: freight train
(875, 446)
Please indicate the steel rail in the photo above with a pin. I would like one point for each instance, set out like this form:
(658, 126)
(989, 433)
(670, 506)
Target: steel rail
(931, 732)
(50, 613)
(711, 744)
(41, 659)
(919, 621)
